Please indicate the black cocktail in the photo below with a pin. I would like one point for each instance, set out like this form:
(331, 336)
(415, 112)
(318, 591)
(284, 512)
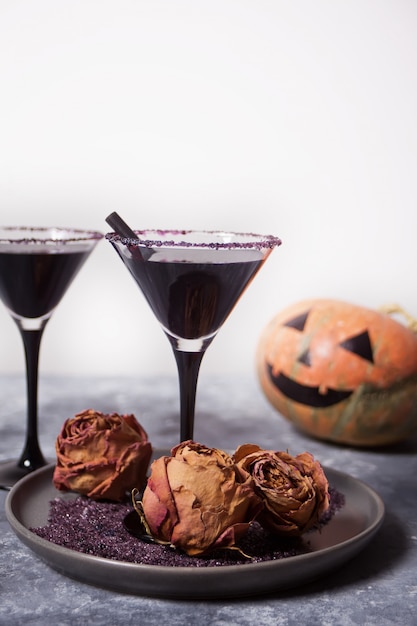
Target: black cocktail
(37, 265)
(192, 280)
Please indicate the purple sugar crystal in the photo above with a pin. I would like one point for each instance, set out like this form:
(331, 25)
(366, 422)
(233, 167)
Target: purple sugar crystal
(97, 528)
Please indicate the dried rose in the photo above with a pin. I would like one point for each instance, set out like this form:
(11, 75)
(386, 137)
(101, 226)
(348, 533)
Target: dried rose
(197, 499)
(294, 490)
(101, 455)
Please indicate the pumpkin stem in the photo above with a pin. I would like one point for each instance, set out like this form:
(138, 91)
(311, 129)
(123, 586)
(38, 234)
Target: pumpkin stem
(395, 308)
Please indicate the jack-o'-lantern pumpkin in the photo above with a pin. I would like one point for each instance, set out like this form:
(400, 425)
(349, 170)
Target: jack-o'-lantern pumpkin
(341, 372)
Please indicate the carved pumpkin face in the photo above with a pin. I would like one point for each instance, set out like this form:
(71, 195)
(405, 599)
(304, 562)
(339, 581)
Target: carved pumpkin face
(341, 372)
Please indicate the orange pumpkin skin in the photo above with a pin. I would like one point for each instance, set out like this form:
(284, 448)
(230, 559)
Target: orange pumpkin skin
(341, 372)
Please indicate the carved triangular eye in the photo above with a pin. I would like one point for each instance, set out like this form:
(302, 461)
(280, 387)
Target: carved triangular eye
(360, 345)
(298, 322)
(305, 358)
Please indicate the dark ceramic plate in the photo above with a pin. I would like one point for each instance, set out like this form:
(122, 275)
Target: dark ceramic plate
(351, 528)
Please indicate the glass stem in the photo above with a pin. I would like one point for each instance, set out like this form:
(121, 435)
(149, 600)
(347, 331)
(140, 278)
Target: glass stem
(188, 364)
(31, 457)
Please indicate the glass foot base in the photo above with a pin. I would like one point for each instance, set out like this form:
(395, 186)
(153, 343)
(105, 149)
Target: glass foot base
(10, 473)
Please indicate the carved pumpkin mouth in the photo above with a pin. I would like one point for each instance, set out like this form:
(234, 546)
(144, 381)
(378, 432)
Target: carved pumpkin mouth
(305, 394)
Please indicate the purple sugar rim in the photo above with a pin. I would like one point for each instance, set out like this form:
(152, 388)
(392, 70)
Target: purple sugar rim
(84, 235)
(259, 241)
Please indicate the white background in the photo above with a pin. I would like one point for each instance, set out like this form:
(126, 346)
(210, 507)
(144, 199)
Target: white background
(296, 118)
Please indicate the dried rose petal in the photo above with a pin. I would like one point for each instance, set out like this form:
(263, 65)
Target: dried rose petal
(294, 490)
(197, 499)
(101, 455)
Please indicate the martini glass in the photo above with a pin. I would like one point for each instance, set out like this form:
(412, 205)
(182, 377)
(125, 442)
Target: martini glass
(37, 265)
(191, 280)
